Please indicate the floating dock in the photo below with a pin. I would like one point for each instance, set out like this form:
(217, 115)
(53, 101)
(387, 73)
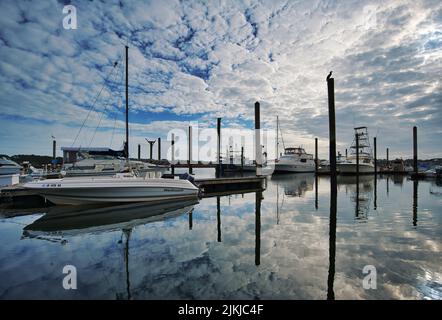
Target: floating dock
(222, 185)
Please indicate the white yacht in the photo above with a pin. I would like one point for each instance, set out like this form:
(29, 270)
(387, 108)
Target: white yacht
(9, 167)
(121, 188)
(366, 161)
(295, 160)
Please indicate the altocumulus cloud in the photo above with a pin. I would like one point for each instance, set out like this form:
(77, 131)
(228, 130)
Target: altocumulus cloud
(197, 60)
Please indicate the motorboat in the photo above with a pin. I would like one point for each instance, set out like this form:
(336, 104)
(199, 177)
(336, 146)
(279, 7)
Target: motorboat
(8, 167)
(366, 162)
(121, 188)
(295, 160)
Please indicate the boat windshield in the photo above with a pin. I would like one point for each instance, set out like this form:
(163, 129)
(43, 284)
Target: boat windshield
(294, 151)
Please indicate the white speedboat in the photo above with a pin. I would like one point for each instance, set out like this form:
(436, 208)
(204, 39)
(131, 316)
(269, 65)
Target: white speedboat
(366, 162)
(9, 167)
(120, 188)
(295, 160)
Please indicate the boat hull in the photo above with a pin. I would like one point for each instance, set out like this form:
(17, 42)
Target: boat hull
(112, 190)
(294, 168)
(350, 168)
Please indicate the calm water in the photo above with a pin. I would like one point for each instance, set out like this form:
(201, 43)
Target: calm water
(236, 247)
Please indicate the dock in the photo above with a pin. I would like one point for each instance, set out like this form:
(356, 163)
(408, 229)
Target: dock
(18, 196)
(221, 185)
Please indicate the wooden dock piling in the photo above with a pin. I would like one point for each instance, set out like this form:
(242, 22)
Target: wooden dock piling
(388, 154)
(173, 154)
(375, 156)
(159, 148)
(139, 152)
(218, 146)
(333, 187)
(415, 168)
(54, 149)
(189, 156)
(258, 148)
(316, 156)
(151, 143)
(332, 125)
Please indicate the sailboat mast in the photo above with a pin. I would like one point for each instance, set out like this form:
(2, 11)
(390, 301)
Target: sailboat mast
(127, 104)
(277, 136)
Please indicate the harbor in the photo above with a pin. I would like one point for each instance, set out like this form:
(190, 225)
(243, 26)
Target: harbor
(214, 152)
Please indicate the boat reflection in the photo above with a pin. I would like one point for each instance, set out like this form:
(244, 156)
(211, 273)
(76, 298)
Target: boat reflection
(66, 221)
(295, 185)
(360, 189)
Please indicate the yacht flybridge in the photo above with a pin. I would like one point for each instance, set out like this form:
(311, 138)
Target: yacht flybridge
(361, 147)
(9, 167)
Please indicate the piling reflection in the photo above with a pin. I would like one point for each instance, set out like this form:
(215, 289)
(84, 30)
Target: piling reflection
(332, 237)
(258, 199)
(316, 192)
(218, 218)
(415, 195)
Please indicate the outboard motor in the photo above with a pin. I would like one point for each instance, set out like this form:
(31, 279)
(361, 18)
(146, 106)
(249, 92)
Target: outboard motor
(186, 176)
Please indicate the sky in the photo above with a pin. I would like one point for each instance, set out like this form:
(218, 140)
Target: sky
(193, 61)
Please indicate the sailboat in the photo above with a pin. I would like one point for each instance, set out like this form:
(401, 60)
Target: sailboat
(294, 159)
(120, 188)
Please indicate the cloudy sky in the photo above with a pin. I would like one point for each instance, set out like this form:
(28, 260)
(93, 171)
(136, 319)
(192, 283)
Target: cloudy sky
(193, 61)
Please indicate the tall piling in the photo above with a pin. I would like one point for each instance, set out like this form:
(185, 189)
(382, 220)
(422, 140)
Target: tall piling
(316, 156)
(242, 159)
(333, 186)
(173, 154)
(218, 147)
(415, 168)
(258, 149)
(189, 155)
(159, 148)
(151, 143)
(54, 149)
(388, 156)
(375, 156)
(139, 152)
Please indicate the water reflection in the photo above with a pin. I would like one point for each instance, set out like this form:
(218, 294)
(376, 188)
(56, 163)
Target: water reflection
(258, 199)
(73, 220)
(229, 247)
(415, 193)
(295, 185)
(332, 237)
(361, 190)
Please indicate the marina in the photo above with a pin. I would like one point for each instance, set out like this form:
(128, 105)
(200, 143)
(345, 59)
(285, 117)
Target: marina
(250, 151)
